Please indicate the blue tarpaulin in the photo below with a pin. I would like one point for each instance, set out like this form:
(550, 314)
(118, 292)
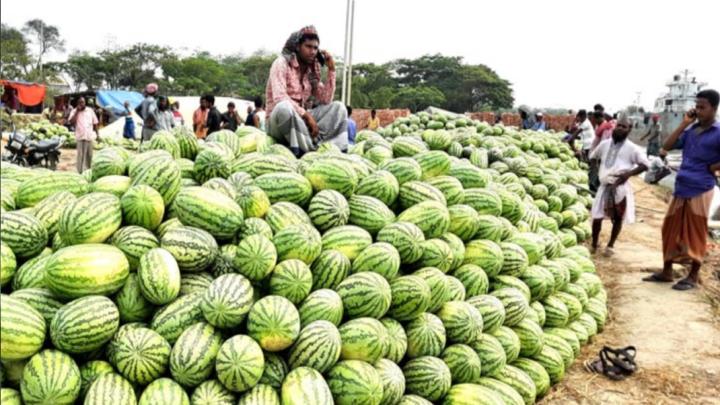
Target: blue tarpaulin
(115, 99)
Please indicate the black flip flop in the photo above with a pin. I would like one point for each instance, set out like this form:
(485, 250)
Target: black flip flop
(615, 364)
(684, 285)
(622, 358)
(655, 278)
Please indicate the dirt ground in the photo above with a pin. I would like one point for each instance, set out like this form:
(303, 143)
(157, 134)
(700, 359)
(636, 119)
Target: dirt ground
(677, 334)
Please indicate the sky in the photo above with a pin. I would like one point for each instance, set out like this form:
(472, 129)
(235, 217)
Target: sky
(561, 53)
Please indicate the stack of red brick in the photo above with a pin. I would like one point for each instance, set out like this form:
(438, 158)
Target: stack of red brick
(387, 116)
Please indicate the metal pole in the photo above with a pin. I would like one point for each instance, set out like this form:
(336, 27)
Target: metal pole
(345, 54)
(352, 32)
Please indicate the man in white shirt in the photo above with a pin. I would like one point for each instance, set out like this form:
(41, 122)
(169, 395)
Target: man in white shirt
(584, 132)
(618, 160)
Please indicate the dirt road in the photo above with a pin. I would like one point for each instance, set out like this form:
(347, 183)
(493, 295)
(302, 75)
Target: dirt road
(677, 334)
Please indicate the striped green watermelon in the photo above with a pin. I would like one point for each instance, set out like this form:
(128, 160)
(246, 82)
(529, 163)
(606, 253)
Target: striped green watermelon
(304, 386)
(291, 279)
(491, 227)
(275, 370)
(261, 394)
(22, 329)
(539, 312)
(134, 242)
(302, 242)
(164, 391)
(580, 331)
(507, 393)
(397, 340)
(252, 226)
(159, 172)
(240, 179)
(171, 320)
(456, 289)
(491, 309)
(253, 201)
(193, 356)
(412, 399)
(81, 270)
(503, 281)
(8, 264)
(439, 291)
(450, 187)
(562, 347)
(92, 370)
(239, 363)
(164, 140)
(42, 300)
(515, 260)
(195, 282)
(84, 324)
(90, 219)
(355, 382)
(166, 226)
(515, 303)
(223, 186)
(283, 214)
(349, 240)
(115, 185)
(330, 174)
(131, 303)
(328, 209)
(224, 261)
(573, 305)
(462, 321)
(393, 381)
(484, 201)
(531, 337)
(552, 362)
(227, 301)
(212, 392)
(291, 187)
(32, 192)
(212, 162)
(406, 237)
(255, 257)
(464, 221)
(403, 168)
(473, 278)
(142, 206)
(159, 276)
(365, 294)
(598, 310)
(209, 210)
(568, 335)
(274, 323)
(32, 272)
(194, 249)
(491, 352)
(463, 362)
(578, 292)
(437, 254)
(509, 341)
(415, 192)
(431, 217)
(363, 339)
(410, 297)
(140, 355)
(50, 377)
(457, 247)
(381, 185)
(433, 163)
(369, 213)
(329, 269)
(540, 281)
(49, 210)
(23, 233)
(380, 257)
(427, 377)
(111, 388)
(323, 304)
(556, 312)
(318, 346)
(426, 336)
(470, 176)
(408, 146)
(536, 372)
(471, 394)
(486, 254)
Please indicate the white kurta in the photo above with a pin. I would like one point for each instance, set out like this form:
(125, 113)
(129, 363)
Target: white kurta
(628, 157)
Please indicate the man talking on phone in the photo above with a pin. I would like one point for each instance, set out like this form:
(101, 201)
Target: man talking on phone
(300, 105)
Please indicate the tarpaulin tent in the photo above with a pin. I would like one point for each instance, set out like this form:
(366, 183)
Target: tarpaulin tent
(28, 94)
(114, 100)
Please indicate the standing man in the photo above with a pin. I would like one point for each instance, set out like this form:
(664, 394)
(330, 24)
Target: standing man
(294, 86)
(351, 127)
(374, 121)
(539, 124)
(199, 119)
(230, 119)
(585, 133)
(86, 124)
(685, 229)
(526, 123)
(177, 116)
(259, 114)
(618, 159)
(145, 111)
(653, 145)
(129, 127)
(214, 118)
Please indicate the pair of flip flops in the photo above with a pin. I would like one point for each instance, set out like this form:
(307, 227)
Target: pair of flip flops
(682, 285)
(615, 364)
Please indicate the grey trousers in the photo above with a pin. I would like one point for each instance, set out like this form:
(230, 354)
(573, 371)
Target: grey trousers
(287, 126)
(84, 155)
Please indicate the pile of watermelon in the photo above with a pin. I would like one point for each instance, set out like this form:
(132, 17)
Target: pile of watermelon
(429, 264)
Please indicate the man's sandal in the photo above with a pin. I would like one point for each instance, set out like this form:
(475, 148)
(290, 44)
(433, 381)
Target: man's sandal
(657, 278)
(615, 364)
(684, 285)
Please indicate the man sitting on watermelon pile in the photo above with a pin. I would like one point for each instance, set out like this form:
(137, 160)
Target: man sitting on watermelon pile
(299, 104)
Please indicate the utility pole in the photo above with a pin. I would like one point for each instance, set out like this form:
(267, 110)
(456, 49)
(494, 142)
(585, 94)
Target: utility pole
(347, 57)
(350, 56)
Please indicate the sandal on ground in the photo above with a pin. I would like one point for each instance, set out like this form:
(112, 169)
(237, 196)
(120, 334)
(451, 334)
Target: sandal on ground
(615, 364)
(657, 278)
(608, 252)
(684, 285)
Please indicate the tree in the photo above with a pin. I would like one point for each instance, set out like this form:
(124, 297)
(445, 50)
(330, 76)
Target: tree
(15, 57)
(418, 98)
(198, 74)
(86, 70)
(47, 38)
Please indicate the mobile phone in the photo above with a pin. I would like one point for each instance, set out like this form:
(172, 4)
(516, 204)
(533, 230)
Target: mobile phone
(321, 57)
(692, 113)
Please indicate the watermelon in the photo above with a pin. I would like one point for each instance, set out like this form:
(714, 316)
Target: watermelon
(552, 362)
(50, 376)
(415, 192)
(193, 356)
(484, 201)
(32, 272)
(365, 294)
(159, 276)
(329, 269)
(261, 394)
(432, 217)
(253, 201)
(140, 355)
(239, 363)
(369, 213)
(507, 393)
(406, 238)
(323, 304)
(486, 254)
(531, 337)
(473, 278)
(212, 392)
(22, 329)
(349, 240)
(456, 289)
(115, 185)
(227, 301)
(536, 372)
(355, 382)
(23, 233)
(131, 303)
(32, 192)
(212, 162)
(291, 187)
(252, 226)
(450, 187)
(562, 347)
(274, 323)
(49, 210)
(8, 264)
(463, 362)
(110, 387)
(302, 242)
(515, 259)
(224, 261)
(510, 342)
(363, 339)
(574, 306)
(464, 221)
(462, 321)
(327, 174)
(291, 279)
(164, 391)
(159, 172)
(439, 291)
(382, 185)
(209, 210)
(134, 242)
(304, 386)
(426, 336)
(194, 249)
(503, 281)
(92, 370)
(397, 340)
(515, 303)
(318, 347)
(142, 206)
(491, 352)
(255, 257)
(381, 257)
(283, 214)
(223, 186)
(44, 301)
(328, 209)
(470, 394)
(275, 370)
(410, 297)
(81, 270)
(171, 320)
(427, 377)
(84, 324)
(195, 282)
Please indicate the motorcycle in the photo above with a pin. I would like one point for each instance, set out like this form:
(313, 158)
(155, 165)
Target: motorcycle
(22, 150)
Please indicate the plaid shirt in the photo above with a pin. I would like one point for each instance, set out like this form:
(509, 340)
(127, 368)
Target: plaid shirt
(287, 82)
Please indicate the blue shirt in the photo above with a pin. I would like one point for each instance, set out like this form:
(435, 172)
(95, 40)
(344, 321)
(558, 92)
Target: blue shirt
(699, 152)
(539, 126)
(352, 130)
